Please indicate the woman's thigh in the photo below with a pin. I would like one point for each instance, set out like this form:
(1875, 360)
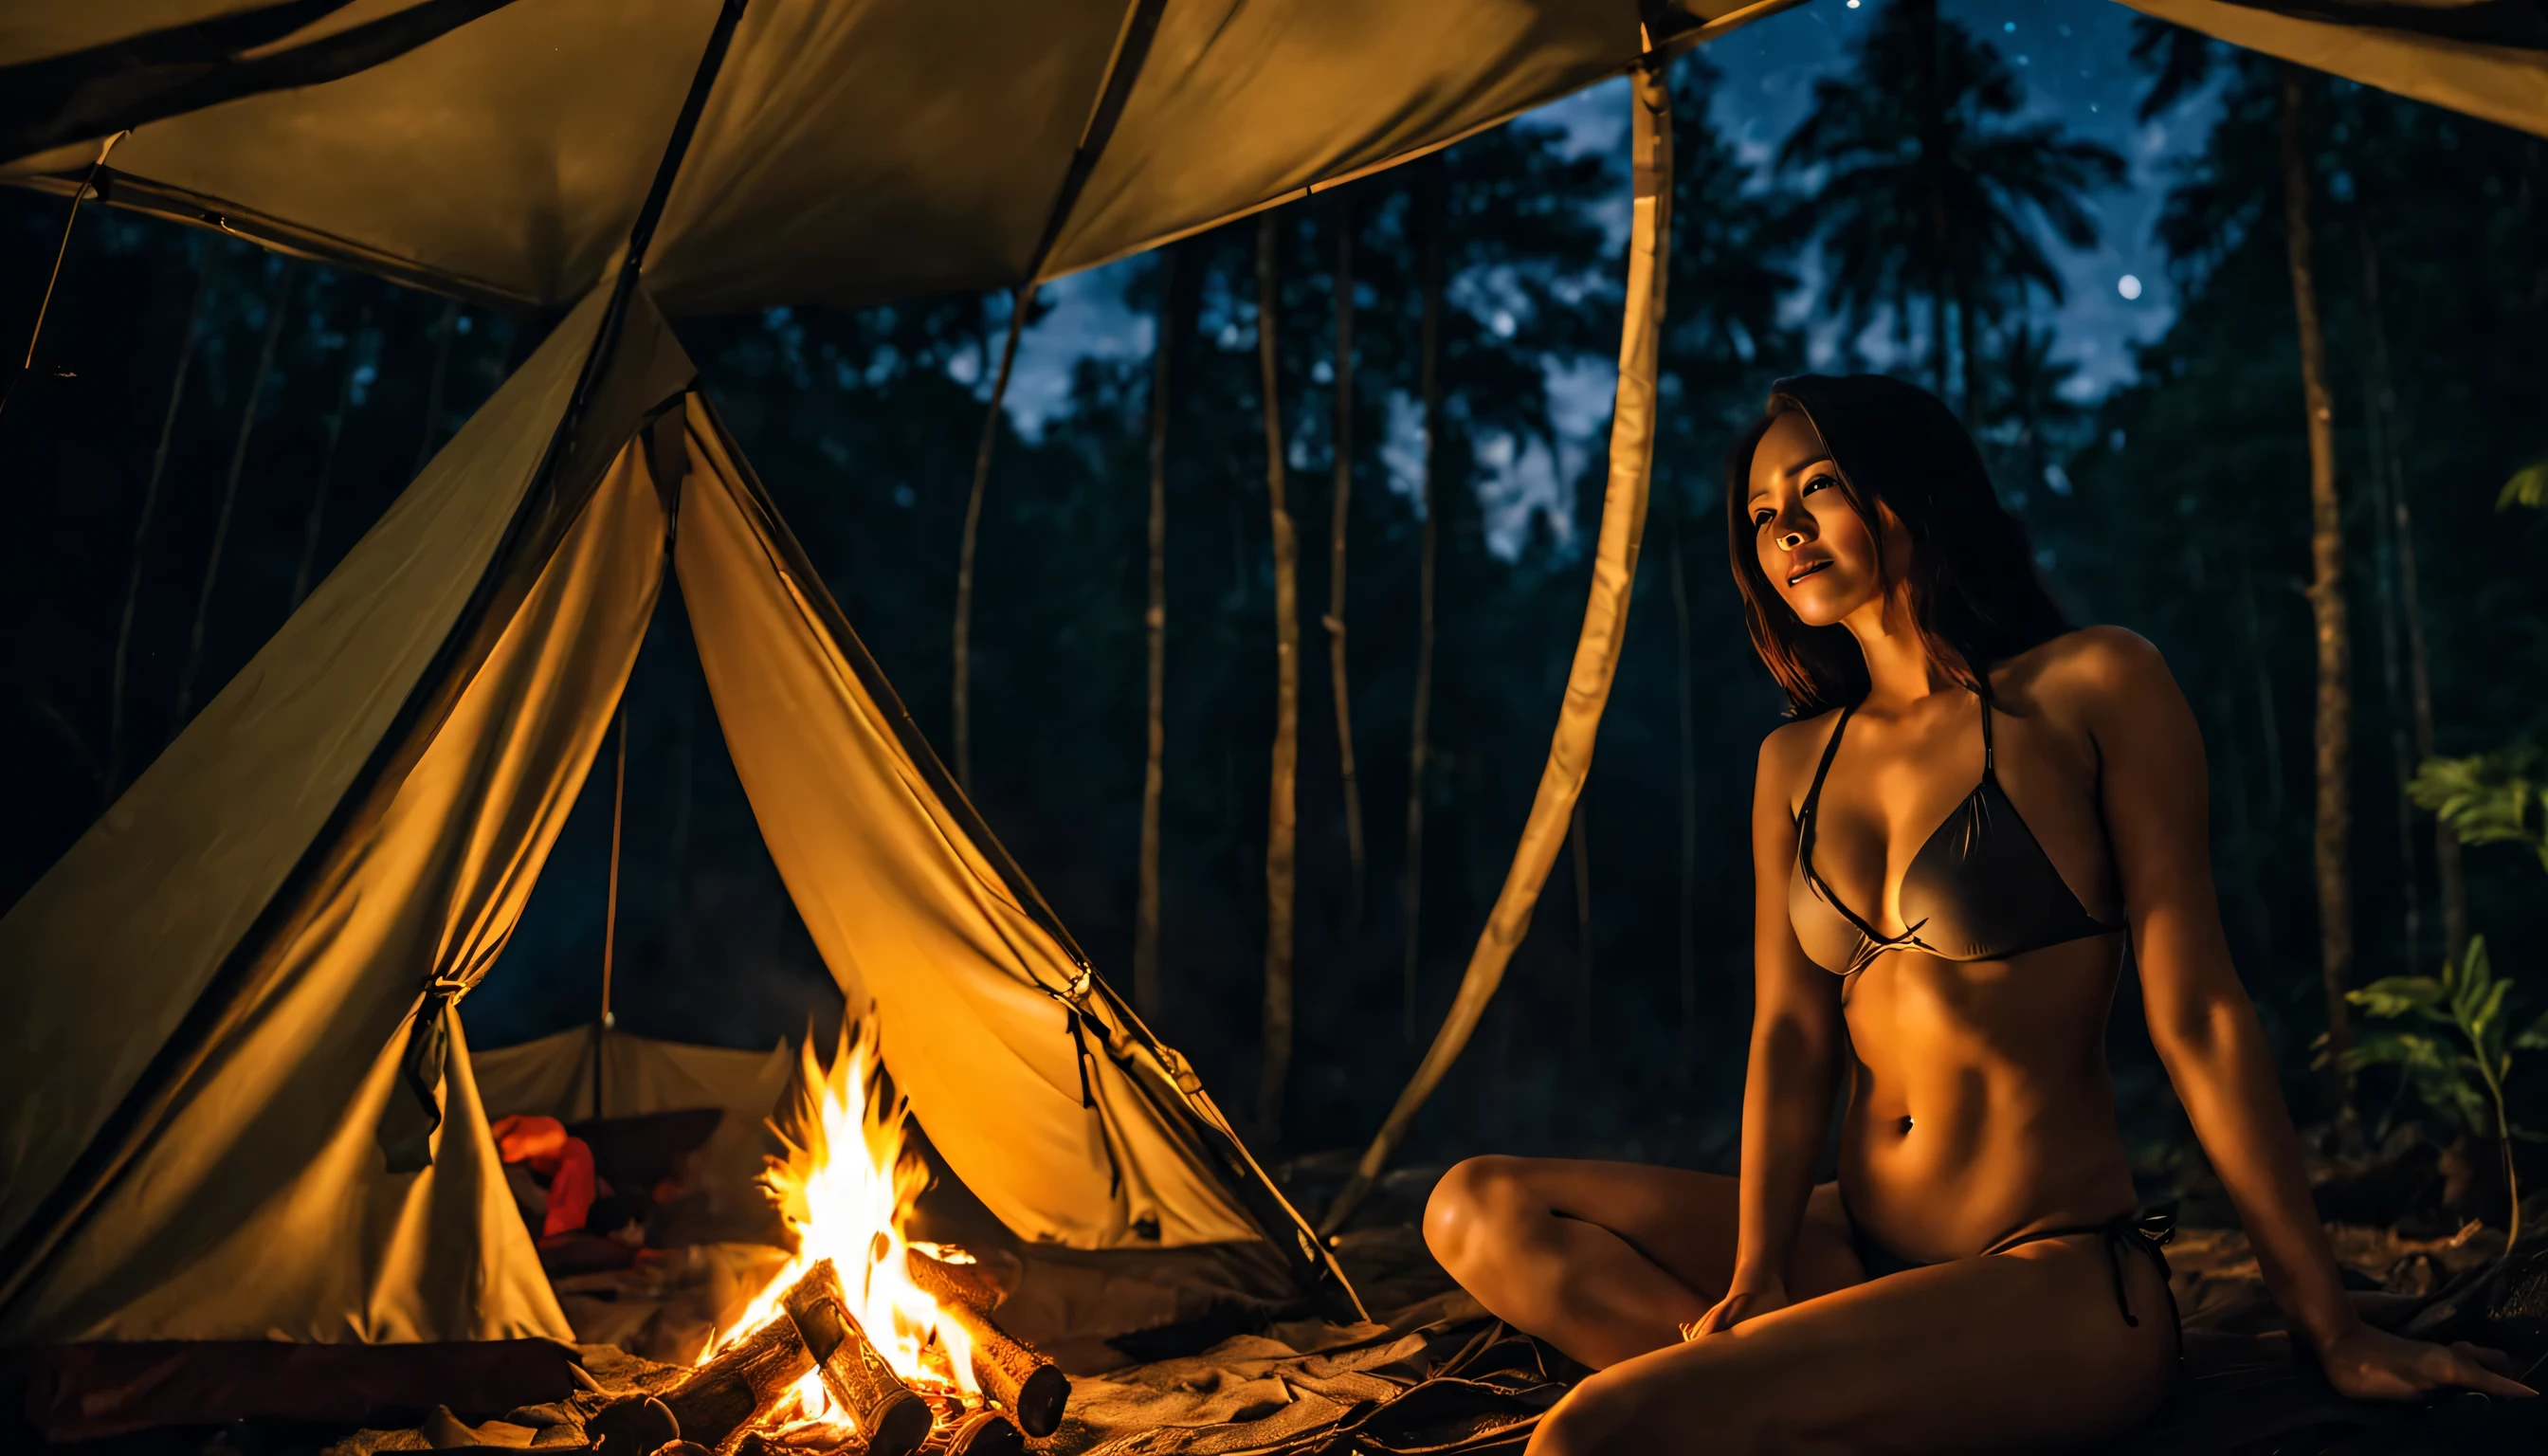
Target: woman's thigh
(2009, 1351)
(1684, 1222)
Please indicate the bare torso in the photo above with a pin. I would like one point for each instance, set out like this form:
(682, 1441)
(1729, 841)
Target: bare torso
(1980, 1102)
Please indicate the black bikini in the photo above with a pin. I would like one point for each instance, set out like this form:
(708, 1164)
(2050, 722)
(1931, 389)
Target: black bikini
(1982, 889)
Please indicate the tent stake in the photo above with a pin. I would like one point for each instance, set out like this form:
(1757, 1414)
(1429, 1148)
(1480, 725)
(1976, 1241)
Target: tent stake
(1596, 649)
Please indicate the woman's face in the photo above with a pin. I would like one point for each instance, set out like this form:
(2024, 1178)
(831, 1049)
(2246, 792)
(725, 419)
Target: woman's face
(1813, 547)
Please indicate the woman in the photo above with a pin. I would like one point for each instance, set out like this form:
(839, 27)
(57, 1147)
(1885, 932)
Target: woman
(1974, 808)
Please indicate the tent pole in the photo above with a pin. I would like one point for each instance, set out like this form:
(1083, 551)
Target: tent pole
(1596, 650)
(610, 908)
(54, 279)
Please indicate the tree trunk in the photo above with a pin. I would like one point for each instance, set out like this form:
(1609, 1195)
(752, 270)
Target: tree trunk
(2376, 424)
(964, 635)
(1687, 903)
(1930, 121)
(141, 529)
(1434, 186)
(1145, 919)
(433, 389)
(278, 301)
(327, 460)
(1282, 826)
(2327, 609)
(2402, 534)
(1338, 517)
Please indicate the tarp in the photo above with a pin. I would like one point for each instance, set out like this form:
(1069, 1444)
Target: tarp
(853, 150)
(2486, 57)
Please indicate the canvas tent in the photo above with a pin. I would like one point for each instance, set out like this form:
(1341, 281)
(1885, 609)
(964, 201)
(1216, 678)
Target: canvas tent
(232, 1019)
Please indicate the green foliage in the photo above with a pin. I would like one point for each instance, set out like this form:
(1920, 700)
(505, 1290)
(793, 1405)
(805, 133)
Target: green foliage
(2528, 486)
(2463, 1081)
(2499, 797)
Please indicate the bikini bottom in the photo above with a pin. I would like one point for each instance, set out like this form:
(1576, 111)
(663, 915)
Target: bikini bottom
(2143, 1232)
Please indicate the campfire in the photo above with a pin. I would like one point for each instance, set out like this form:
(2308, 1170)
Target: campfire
(864, 1344)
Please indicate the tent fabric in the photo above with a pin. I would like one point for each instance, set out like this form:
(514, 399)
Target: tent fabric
(152, 899)
(2486, 58)
(242, 988)
(552, 1076)
(973, 995)
(1596, 648)
(277, 1144)
(850, 151)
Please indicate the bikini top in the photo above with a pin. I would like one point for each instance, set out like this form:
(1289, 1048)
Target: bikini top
(1980, 889)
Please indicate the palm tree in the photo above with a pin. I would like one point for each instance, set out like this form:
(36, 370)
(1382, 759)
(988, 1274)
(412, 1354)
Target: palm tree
(1930, 189)
(2222, 200)
(1282, 829)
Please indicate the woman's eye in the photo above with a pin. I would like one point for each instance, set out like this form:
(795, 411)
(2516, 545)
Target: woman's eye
(1818, 483)
(1761, 518)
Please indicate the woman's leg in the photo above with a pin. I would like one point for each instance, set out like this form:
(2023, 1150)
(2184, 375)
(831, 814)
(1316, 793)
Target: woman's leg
(1607, 1260)
(2019, 1351)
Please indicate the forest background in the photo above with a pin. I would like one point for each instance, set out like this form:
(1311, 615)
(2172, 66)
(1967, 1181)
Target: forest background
(207, 430)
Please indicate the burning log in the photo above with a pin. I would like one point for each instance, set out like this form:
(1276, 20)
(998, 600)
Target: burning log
(738, 1384)
(1012, 1372)
(954, 1282)
(891, 1415)
(977, 1433)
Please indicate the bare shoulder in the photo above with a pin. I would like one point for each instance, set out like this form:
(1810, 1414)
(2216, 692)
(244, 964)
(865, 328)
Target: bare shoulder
(2092, 668)
(1788, 754)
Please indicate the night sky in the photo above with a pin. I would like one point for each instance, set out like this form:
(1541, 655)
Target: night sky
(2073, 57)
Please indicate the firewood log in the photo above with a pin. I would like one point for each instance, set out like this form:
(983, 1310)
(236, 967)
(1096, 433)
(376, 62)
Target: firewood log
(738, 1384)
(949, 1282)
(638, 1427)
(1012, 1372)
(977, 1433)
(891, 1415)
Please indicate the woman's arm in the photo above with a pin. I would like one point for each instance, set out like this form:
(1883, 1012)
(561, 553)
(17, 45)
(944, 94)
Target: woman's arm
(1795, 1033)
(2155, 796)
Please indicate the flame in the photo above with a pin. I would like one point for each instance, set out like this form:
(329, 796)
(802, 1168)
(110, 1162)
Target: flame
(843, 1187)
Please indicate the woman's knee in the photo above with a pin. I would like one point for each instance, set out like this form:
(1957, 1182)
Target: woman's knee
(1631, 1409)
(1475, 1204)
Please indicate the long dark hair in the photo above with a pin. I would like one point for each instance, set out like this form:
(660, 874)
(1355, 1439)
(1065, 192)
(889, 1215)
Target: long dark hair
(1973, 594)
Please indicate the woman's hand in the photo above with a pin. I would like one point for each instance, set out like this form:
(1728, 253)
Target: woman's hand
(2367, 1364)
(1739, 1305)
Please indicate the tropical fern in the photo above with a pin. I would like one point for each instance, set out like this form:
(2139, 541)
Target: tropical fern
(2463, 1081)
(2499, 797)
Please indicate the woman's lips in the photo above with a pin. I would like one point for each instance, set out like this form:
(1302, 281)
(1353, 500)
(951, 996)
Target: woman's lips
(1807, 570)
